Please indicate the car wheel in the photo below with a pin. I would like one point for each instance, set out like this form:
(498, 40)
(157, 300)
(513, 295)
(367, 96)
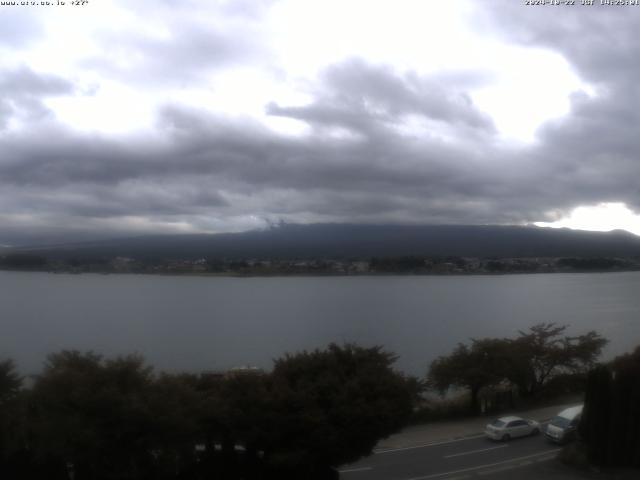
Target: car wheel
(506, 437)
(535, 431)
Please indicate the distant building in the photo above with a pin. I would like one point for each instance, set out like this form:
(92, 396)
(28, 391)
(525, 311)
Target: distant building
(360, 267)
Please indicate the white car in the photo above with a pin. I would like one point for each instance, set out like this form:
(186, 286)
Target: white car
(506, 428)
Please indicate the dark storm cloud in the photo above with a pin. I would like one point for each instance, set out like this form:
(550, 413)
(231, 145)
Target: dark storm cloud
(593, 154)
(361, 97)
(148, 197)
(209, 169)
(214, 169)
(199, 143)
(22, 91)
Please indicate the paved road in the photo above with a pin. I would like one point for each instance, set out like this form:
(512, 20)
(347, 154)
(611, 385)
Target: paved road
(466, 458)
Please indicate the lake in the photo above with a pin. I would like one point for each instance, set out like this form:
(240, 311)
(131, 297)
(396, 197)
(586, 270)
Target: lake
(212, 323)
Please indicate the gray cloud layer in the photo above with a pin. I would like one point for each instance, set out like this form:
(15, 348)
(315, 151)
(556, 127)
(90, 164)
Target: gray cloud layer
(362, 97)
(593, 154)
(363, 159)
(22, 92)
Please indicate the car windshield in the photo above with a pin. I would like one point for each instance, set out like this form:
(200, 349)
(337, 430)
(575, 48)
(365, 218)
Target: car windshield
(561, 422)
(497, 423)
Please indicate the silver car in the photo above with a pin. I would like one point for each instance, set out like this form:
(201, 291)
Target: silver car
(564, 427)
(506, 428)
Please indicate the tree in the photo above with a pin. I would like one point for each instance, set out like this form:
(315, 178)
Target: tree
(595, 422)
(175, 406)
(529, 361)
(479, 365)
(332, 406)
(92, 415)
(11, 424)
(10, 381)
(542, 353)
(236, 415)
(610, 423)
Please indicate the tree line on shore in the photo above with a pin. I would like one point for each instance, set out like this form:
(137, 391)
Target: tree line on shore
(416, 265)
(86, 417)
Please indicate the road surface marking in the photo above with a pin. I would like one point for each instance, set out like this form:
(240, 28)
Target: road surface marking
(475, 451)
(436, 475)
(425, 445)
(543, 459)
(349, 470)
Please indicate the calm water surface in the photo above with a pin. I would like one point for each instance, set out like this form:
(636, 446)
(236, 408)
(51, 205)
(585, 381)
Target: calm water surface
(201, 323)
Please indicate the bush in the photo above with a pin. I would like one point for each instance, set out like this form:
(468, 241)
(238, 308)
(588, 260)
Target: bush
(610, 423)
(332, 406)
(564, 384)
(432, 410)
(106, 419)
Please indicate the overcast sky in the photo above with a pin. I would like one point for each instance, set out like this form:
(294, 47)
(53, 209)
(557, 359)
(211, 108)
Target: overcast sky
(124, 117)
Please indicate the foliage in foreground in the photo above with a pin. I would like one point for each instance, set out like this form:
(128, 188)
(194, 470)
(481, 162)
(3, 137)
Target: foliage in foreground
(530, 362)
(92, 418)
(610, 425)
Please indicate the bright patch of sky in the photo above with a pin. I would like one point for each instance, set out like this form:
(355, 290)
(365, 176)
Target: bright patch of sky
(603, 217)
(428, 38)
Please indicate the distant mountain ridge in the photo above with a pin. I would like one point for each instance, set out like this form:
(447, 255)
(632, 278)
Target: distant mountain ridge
(298, 241)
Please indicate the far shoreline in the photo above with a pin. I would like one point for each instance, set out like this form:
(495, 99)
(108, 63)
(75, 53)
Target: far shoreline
(318, 275)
